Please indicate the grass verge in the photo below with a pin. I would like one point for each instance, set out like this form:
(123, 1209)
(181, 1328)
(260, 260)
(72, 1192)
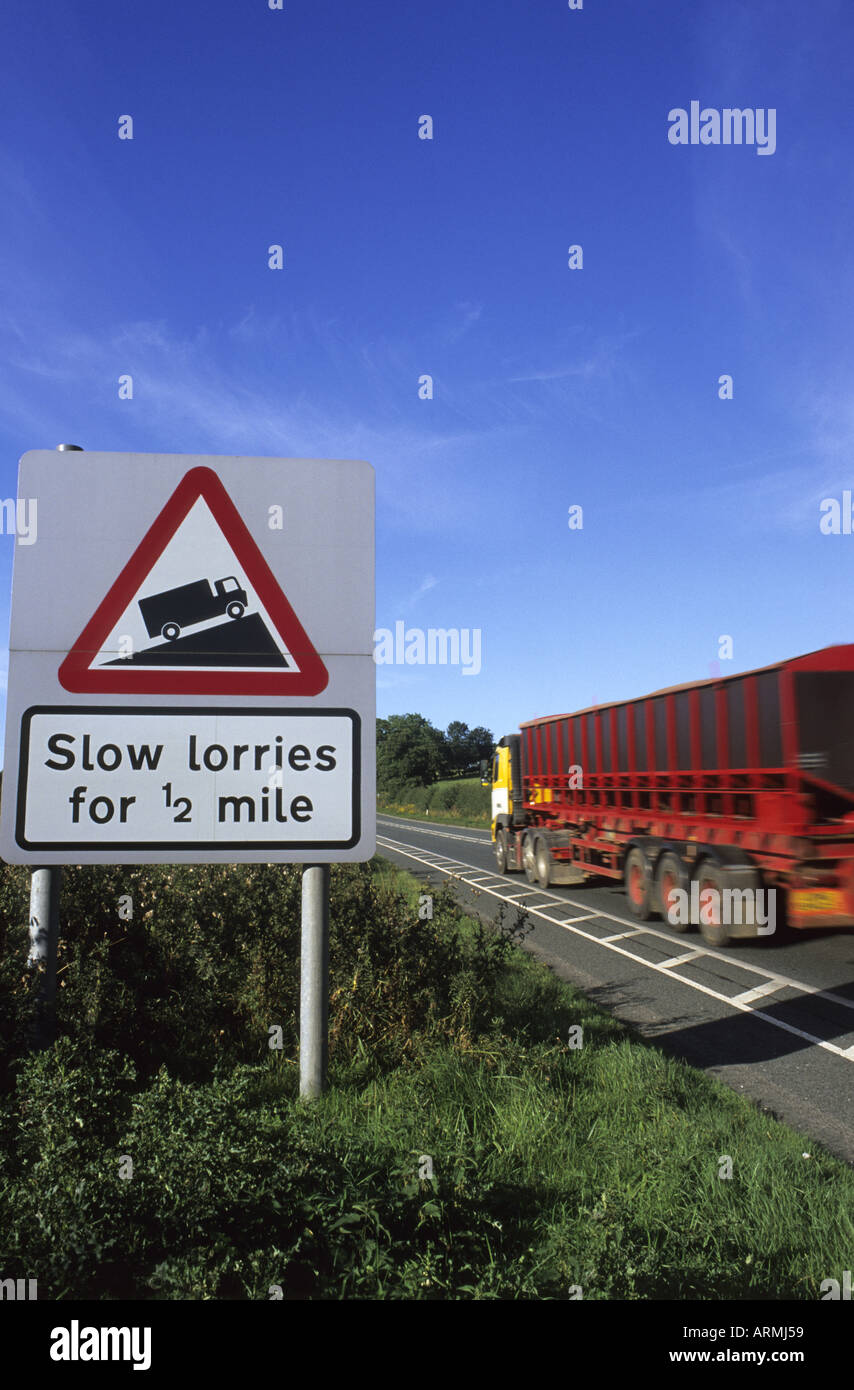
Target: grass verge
(467, 1148)
(457, 801)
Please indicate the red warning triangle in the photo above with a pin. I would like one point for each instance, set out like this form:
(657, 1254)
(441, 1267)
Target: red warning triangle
(195, 611)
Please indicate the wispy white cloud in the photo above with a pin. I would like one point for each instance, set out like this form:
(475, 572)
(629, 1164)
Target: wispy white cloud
(194, 393)
(465, 315)
(428, 582)
(600, 363)
(582, 369)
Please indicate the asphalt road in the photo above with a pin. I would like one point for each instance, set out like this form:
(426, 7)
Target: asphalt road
(773, 1018)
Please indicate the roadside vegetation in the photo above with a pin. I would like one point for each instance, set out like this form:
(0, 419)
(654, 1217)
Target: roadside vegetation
(466, 1147)
(426, 774)
(411, 752)
(456, 801)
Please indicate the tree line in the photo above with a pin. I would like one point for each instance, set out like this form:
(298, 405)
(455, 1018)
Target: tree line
(411, 752)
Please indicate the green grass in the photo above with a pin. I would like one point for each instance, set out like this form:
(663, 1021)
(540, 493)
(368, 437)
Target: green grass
(551, 1171)
(554, 1167)
(457, 801)
(599, 1166)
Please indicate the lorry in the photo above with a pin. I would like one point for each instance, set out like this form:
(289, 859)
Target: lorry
(166, 613)
(740, 783)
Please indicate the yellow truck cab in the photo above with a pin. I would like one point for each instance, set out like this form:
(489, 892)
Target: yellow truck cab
(505, 779)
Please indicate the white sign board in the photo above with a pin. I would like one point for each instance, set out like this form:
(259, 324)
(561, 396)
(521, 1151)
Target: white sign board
(191, 672)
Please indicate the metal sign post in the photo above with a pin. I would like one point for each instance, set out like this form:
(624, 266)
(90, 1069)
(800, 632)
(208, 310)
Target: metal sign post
(314, 981)
(44, 940)
(45, 887)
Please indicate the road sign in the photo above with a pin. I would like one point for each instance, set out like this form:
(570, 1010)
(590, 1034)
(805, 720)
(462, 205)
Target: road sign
(166, 629)
(240, 588)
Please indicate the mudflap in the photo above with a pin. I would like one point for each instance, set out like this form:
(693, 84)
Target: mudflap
(565, 874)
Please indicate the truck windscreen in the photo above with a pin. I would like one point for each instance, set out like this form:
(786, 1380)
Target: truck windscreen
(825, 707)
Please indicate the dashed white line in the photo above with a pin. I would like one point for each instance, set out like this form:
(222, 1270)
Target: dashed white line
(680, 960)
(770, 983)
(748, 996)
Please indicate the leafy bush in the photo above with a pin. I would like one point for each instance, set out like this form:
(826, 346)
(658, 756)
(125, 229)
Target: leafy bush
(230, 1196)
(208, 962)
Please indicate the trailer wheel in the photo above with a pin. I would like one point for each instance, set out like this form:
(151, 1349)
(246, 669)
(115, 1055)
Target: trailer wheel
(714, 933)
(670, 875)
(638, 884)
(501, 851)
(543, 864)
(170, 631)
(235, 610)
(528, 859)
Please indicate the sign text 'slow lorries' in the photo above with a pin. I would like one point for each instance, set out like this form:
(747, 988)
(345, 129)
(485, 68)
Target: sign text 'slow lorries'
(100, 775)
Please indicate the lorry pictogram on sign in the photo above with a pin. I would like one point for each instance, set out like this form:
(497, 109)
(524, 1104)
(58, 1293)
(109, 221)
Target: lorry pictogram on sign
(196, 610)
(168, 612)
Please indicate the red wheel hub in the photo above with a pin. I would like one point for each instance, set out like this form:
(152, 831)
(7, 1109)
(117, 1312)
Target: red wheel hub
(668, 884)
(636, 884)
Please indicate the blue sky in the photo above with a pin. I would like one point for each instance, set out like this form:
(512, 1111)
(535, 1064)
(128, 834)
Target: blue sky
(405, 257)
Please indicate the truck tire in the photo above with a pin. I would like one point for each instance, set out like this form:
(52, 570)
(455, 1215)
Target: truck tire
(528, 859)
(501, 851)
(708, 875)
(235, 610)
(543, 863)
(670, 874)
(638, 884)
(170, 631)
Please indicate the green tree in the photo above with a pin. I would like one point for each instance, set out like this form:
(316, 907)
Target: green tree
(466, 747)
(456, 747)
(409, 751)
(481, 744)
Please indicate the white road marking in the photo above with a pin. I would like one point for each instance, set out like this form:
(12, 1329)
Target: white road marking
(442, 834)
(770, 980)
(770, 987)
(680, 960)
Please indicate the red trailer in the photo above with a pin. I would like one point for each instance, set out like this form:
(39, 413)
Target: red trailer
(742, 783)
